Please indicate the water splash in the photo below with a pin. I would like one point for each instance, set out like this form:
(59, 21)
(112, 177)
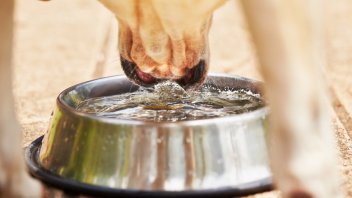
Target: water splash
(167, 101)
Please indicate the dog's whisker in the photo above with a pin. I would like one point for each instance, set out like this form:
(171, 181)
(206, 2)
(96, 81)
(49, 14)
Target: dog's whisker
(134, 76)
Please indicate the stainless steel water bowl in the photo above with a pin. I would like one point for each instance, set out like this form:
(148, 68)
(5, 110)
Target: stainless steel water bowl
(199, 157)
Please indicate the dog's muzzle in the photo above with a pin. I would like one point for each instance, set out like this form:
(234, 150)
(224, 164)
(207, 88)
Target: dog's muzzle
(194, 77)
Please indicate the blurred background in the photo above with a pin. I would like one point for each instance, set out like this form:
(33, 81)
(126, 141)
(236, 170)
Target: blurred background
(62, 43)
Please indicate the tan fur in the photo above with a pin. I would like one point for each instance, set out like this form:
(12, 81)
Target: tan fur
(14, 181)
(290, 51)
(164, 37)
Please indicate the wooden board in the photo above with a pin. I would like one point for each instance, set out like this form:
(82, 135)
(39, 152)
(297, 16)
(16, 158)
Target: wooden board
(61, 43)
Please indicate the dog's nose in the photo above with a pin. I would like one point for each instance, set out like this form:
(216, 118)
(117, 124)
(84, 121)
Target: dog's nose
(192, 78)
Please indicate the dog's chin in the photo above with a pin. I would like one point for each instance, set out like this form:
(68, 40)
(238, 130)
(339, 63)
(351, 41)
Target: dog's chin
(194, 77)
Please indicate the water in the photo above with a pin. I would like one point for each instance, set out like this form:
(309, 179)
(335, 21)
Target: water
(169, 102)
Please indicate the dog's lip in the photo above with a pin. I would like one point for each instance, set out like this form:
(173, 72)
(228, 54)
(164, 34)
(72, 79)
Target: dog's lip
(145, 77)
(135, 75)
(193, 77)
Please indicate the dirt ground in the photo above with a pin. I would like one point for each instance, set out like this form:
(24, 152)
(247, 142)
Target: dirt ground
(61, 43)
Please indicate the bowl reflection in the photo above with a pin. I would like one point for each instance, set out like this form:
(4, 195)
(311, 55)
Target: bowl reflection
(196, 155)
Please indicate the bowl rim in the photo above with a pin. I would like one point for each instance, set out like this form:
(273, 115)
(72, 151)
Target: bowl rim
(247, 116)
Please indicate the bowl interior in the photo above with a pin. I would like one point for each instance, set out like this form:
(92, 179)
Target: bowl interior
(115, 85)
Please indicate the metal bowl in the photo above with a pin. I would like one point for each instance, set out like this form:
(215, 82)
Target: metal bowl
(105, 156)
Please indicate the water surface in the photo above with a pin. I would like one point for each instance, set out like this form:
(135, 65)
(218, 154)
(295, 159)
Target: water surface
(169, 102)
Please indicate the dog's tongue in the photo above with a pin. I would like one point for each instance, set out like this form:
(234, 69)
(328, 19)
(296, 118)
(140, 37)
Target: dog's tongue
(146, 78)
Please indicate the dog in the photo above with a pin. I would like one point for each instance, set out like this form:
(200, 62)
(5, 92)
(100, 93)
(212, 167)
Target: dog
(167, 39)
